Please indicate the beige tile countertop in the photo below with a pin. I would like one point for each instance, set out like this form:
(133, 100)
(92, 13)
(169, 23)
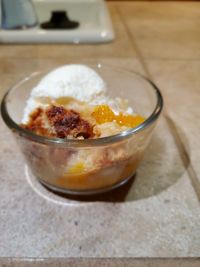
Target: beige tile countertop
(158, 214)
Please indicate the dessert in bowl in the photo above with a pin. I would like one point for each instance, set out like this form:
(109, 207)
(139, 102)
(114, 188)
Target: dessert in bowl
(83, 129)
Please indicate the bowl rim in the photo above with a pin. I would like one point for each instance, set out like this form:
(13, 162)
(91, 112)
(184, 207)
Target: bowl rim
(86, 142)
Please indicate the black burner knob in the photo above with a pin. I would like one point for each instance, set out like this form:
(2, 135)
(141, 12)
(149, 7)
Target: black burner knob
(60, 20)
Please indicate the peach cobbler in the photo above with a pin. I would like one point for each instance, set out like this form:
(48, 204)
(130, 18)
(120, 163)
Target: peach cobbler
(71, 103)
(74, 119)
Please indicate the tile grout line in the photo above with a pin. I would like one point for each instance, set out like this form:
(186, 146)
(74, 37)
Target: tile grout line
(125, 27)
(184, 156)
(172, 128)
(91, 58)
(135, 47)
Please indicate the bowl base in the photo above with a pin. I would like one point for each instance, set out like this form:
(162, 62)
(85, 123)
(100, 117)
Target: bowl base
(57, 189)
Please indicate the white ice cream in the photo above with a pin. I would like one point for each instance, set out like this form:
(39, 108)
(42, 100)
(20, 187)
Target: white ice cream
(76, 81)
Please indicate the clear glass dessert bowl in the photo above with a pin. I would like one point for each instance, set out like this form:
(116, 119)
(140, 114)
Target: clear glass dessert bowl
(100, 164)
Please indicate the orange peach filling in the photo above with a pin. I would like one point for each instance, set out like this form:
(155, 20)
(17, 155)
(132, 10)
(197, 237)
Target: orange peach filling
(103, 114)
(101, 178)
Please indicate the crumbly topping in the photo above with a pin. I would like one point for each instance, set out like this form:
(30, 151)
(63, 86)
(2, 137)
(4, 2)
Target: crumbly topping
(57, 121)
(68, 123)
(75, 120)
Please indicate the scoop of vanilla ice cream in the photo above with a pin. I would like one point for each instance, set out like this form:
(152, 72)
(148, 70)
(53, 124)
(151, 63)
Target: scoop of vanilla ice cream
(77, 81)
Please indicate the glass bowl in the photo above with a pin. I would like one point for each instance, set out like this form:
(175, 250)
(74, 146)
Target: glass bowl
(109, 161)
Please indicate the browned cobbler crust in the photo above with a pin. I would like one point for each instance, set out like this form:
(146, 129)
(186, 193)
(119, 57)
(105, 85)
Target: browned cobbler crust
(36, 124)
(56, 121)
(68, 122)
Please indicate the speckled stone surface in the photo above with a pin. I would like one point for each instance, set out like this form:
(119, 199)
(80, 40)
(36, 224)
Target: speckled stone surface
(181, 80)
(160, 34)
(155, 216)
(60, 262)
